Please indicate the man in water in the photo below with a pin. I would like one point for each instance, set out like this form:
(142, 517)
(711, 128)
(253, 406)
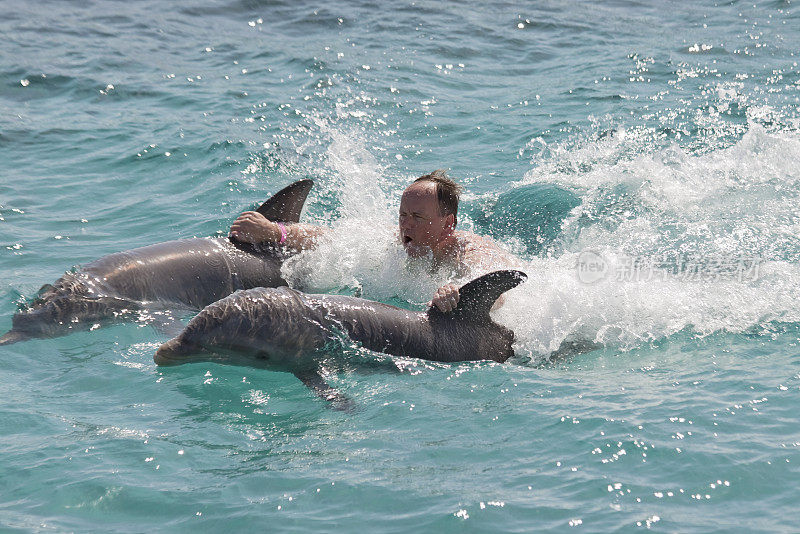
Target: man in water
(427, 224)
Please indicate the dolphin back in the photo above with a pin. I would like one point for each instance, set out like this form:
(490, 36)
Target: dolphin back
(468, 332)
(186, 273)
(287, 322)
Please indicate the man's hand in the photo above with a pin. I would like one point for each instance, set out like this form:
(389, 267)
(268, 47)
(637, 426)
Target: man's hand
(252, 227)
(446, 298)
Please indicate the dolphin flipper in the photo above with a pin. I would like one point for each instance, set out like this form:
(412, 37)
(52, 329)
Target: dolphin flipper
(286, 204)
(314, 381)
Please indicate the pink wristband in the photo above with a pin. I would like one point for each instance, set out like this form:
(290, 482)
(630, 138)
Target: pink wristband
(283, 233)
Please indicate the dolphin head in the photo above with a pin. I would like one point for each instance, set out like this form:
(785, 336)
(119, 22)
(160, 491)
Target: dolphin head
(259, 327)
(217, 327)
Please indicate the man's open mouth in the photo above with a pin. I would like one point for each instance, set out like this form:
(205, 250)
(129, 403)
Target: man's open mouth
(406, 240)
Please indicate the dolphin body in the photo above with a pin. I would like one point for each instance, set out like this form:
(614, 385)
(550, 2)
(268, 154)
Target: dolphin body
(284, 329)
(188, 273)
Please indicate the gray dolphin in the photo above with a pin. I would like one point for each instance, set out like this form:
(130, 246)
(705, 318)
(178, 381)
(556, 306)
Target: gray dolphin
(284, 329)
(189, 273)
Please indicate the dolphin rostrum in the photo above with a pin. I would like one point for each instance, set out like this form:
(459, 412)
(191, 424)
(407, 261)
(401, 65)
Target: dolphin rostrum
(188, 273)
(282, 329)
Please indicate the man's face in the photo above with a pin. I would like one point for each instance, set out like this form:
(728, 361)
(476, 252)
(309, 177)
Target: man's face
(422, 227)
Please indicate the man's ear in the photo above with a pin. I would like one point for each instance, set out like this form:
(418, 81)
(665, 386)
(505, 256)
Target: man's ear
(451, 221)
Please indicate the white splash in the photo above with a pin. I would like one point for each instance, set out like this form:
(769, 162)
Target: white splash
(734, 212)
(362, 252)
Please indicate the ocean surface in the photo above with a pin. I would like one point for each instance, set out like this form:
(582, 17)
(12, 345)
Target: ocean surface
(640, 158)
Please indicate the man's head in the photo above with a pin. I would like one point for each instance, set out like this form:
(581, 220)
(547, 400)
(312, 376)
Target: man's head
(428, 211)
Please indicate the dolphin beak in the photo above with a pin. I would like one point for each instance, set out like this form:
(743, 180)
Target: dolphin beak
(173, 352)
(12, 336)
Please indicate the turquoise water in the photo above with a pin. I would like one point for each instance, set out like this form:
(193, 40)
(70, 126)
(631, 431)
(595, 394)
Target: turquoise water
(661, 139)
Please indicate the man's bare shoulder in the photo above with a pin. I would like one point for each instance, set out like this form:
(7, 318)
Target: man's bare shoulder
(481, 251)
(470, 241)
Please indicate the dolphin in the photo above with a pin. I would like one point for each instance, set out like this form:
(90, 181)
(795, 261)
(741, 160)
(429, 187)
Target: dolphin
(188, 273)
(285, 329)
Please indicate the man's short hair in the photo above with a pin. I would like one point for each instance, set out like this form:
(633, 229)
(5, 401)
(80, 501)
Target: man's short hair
(447, 191)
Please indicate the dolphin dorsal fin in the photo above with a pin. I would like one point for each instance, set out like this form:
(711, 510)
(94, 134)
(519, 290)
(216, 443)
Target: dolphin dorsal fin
(286, 204)
(477, 297)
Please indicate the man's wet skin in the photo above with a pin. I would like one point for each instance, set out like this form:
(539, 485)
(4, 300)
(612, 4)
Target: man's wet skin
(425, 230)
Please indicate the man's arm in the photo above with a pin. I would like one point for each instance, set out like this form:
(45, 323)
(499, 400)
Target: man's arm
(252, 227)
